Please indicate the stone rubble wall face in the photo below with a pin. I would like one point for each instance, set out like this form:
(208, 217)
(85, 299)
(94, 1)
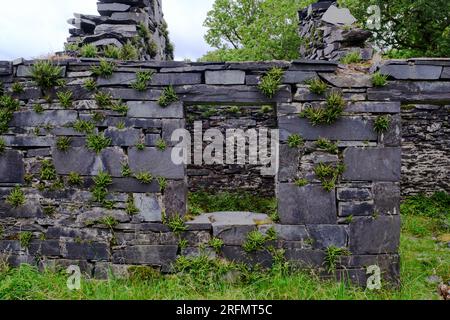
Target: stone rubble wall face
(64, 220)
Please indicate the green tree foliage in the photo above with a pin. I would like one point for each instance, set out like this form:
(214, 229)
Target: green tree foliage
(409, 27)
(256, 30)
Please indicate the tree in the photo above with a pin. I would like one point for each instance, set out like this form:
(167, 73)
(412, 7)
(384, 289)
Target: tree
(410, 27)
(253, 30)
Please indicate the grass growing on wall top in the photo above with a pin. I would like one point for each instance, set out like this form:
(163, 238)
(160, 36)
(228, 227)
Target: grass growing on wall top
(422, 253)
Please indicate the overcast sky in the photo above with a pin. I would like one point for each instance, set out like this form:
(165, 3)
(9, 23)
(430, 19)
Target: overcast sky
(34, 28)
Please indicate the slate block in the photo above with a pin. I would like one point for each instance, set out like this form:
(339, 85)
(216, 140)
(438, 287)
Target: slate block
(151, 109)
(412, 72)
(387, 198)
(30, 118)
(306, 205)
(85, 251)
(225, 77)
(124, 138)
(175, 198)
(148, 255)
(11, 167)
(325, 236)
(372, 164)
(347, 209)
(379, 235)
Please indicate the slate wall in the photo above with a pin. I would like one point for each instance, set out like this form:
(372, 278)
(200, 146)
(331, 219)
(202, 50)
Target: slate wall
(360, 214)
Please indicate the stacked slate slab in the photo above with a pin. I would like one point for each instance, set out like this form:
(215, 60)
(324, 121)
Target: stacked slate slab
(119, 23)
(329, 33)
(360, 214)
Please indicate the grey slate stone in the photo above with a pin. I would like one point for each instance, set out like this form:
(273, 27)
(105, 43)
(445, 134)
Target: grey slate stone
(305, 258)
(306, 205)
(362, 129)
(356, 209)
(287, 232)
(325, 236)
(348, 81)
(150, 255)
(85, 251)
(338, 16)
(421, 92)
(131, 94)
(289, 162)
(225, 77)
(372, 164)
(375, 236)
(238, 255)
(25, 71)
(151, 109)
(5, 68)
(445, 73)
(106, 9)
(44, 248)
(32, 119)
(31, 209)
(412, 72)
(175, 198)
(354, 194)
(131, 185)
(112, 160)
(124, 30)
(295, 77)
(118, 78)
(176, 79)
(158, 163)
(124, 138)
(77, 159)
(393, 136)
(233, 235)
(11, 167)
(373, 107)
(149, 208)
(387, 198)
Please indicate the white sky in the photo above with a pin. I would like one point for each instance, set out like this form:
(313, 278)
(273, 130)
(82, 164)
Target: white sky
(33, 28)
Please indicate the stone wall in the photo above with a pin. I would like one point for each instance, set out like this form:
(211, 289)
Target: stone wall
(137, 22)
(60, 224)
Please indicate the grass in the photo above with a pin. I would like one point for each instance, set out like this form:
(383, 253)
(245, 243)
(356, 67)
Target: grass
(84, 126)
(329, 174)
(143, 79)
(161, 145)
(130, 207)
(103, 99)
(63, 143)
(202, 278)
(204, 202)
(382, 124)
(97, 142)
(295, 141)
(17, 87)
(270, 82)
(100, 189)
(105, 69)
(327, 145)
(379, 80)
(335, 106)
(45, 74)
(112, 52)
(168, 97)
(48, 172)
(120, 108)
(25, 239)
(89, 51)
(16, 198)
(176, 224)
(317, 86)
(90, 84)
(352, 57)
(144, 177)
(74, 179)
(129, 52)
(2, 145)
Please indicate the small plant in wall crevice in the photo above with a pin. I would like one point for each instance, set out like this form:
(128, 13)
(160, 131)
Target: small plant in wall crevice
(45, 74)
(270, 82)
(16, 198)
(317, 86)
(63, 143)
(97, 142)
(333, 110)
(168, 97)
(143, 78)
(176, 224)
(105, 69)
(382, 124)
(295, 141)
(327, 145)
(329, 174)
(332, 256)
(379, 80)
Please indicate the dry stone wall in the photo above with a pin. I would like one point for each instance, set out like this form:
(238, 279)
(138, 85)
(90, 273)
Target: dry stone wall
(61, 221)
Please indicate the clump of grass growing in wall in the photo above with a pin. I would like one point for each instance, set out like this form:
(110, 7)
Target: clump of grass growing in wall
(129, 52)
(38, 108)
(25, 239)
(120, 108)
(63, 143)
(140, 146)
(105, 69)
(317, 86)
(217, 244)
(382, 124)
(100, 190)
(161, 145)
(329, 174)
(168, 97)
(16, 198)
(176, 224)
(126, 170)
(232, 110)
(332, 256)
(89, 51)
(90, 84)
(266, 109)
(103, 99)
(301, 182)
(379, 80)
(162, 181)
(65, 98)
(2, 145)
(143, 79)
(98, 116)
(335, 106)
(74, 179)
(48, 172)
(97, 142)
(130, 208)
(256, 240)
(121, 125)
(352, 57)
(84, 126)
(8, 103)
(111, 52)
(45, 74)
(270, 82)
(144, 177)
(295, 141)
(17, 87)
(109, 222)
(183, 244)
(327, 145)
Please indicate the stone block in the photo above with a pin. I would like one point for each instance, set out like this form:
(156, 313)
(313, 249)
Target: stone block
(305, 258)
(354, 194)
(158, 163)
(373, 107)
(379, 235)
(55, 118)
(5, 68)
(148, 255)
(85, 251)
(44, 248)
(175, 198)
(131, 94)
(348, 81)
(149, 109)
(149, 208)
(124, 138)
(412, 72)
(446, 73)
(393, 136)
(296, 77)
(118, 78)
(372, 164)
(112, 160)
(225, 77)
(289, 163)
(11, 167)
(168, 127)
(325, 236)
(287, 232)
(107, 9)
(306, 205)
(233, 235)
(238, 255)
(356, 209)
(361, 129)
(132, 185)
(176, 79)
(31, 209)
(77, 159)
(25, 71)
(387, 198)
